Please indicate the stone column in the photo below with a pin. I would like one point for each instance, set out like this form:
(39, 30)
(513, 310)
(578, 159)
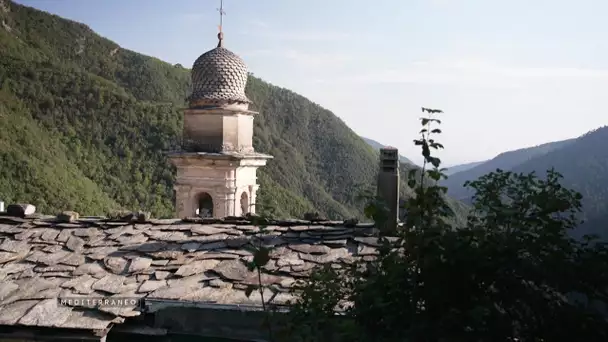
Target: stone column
(192, 201)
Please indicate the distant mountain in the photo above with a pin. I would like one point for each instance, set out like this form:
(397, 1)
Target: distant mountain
(377, 146)
(584, 164)
(504, 161)
(582, 161)
(462, 167)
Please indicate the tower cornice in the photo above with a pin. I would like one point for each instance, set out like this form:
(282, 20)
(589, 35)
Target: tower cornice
(218, 111)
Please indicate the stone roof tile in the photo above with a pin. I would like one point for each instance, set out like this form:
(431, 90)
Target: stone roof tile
(42, 260)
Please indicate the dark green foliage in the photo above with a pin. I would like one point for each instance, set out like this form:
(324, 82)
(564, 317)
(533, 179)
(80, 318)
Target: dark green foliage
(511, 274)
(113, 113)
(114, 139)
(584, 166)
(34, 166)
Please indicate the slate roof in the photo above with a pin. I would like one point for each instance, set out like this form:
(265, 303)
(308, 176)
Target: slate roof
(42, 260)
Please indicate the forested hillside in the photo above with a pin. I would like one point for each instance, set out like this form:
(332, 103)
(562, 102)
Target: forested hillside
(85, 124)
(584, 165)
(504, 161)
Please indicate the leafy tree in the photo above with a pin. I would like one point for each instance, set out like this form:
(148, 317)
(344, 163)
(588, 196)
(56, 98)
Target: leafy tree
(512, 273)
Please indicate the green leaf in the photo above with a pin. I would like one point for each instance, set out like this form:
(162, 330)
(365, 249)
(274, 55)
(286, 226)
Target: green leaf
(261, 257)
(425, 121)
(251, 266)
(370, 210)
(411, 173)
(436, 131)
(426, 152)
(250, 290)
(435, 175)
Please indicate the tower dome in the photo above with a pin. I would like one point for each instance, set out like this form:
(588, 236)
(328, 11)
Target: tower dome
(218, 76)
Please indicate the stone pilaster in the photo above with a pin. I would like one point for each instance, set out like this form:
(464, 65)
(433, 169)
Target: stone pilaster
(253, 190)
(226, 198)
(183, 205)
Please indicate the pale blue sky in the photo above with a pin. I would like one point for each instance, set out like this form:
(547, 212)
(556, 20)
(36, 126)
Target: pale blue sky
(508, 74)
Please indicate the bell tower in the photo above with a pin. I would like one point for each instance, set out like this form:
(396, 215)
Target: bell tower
(217, 164)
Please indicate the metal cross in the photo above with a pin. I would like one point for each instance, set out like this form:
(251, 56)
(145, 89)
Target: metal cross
(222, 13)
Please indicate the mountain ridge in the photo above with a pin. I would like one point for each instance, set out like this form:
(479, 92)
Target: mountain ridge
(377, 146)
(504, 161)
(462, 167)
(584, 165)
(114, 112)
(582, 161)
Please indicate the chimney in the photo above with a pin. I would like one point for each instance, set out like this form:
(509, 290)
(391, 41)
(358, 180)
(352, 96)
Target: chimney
(388, 186)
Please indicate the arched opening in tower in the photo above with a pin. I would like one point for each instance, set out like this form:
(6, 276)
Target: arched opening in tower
(205, 205)
(244, 203)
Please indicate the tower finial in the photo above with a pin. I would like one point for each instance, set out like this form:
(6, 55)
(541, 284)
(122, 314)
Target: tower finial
(220, 35)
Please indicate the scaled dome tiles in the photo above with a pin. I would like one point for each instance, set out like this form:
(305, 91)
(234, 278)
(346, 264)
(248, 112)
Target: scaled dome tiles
(219, 75)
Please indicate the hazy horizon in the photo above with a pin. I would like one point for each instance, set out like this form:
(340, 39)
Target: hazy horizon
(508, 75)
